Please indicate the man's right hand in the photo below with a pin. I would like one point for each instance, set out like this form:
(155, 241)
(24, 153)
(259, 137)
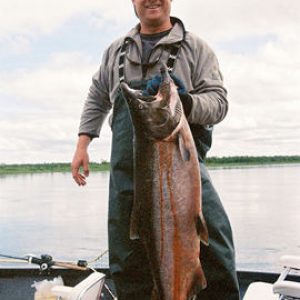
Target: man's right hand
(81, 159)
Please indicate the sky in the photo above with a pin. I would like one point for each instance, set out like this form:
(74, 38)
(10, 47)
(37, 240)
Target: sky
(49, 51)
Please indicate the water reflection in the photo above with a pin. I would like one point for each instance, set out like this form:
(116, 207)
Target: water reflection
(48, 213)
(264, 210)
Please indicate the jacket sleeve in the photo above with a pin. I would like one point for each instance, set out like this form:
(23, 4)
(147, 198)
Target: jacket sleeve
(209, 102)
(97, 104)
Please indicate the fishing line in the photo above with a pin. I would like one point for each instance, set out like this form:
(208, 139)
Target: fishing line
(14, 257)
(98, 257)
(110, 292)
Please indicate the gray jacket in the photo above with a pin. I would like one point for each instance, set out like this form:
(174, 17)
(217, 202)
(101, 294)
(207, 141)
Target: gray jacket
(196, 66)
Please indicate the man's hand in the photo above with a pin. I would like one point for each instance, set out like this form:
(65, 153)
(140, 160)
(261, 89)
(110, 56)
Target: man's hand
(154, 83)
(153, 87)
(81, 159)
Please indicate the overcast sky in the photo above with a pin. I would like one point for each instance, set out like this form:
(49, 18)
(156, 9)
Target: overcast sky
(50, 49)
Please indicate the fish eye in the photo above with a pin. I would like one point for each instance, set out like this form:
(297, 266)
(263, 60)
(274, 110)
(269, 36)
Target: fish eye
(138, 105)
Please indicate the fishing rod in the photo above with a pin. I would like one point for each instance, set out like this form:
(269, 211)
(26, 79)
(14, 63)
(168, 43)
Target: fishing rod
(46, 262)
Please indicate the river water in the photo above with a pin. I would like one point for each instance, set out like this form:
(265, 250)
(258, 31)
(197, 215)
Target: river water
(48, 213)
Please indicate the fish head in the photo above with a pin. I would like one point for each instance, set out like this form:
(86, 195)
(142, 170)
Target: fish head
(154, 117)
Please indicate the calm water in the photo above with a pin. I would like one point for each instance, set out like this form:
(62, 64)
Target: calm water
(48, 213)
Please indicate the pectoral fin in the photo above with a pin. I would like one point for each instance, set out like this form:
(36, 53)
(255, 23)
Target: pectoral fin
(202, 229)
(184, 151)
(199, 283)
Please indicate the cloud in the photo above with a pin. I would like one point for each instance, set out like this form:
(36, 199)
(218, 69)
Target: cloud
(56, 83)
(227, 20)
(41, 110)
(214, 20)
(46, 138)
(15, 45)
(42, 94)
(31, 17)
(258, 48)
(264, 100)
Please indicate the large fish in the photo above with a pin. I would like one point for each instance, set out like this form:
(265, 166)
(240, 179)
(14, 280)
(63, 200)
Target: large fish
(166, 213)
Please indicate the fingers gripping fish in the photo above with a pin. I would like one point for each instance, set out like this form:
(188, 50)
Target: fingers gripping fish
(166, 213)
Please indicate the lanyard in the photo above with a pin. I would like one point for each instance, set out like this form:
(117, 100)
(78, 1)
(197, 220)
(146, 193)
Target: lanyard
(170, 63)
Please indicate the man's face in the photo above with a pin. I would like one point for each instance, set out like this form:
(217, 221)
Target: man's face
(152, 12)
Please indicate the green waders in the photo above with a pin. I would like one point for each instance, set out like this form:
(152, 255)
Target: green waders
(218, 259)
(128, 261)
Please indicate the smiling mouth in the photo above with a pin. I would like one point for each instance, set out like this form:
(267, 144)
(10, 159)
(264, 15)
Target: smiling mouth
(153, 6)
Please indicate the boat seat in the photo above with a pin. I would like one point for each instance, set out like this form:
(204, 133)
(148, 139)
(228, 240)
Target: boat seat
(281, 289)
(88, 289)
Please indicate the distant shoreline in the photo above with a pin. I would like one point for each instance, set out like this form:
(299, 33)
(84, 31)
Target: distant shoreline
(211, 162)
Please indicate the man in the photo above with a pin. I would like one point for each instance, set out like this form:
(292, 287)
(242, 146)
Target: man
(136, 59)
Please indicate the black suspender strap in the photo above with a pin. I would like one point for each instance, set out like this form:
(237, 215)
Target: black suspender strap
(170, 63)
(173, 56)
(122, 60)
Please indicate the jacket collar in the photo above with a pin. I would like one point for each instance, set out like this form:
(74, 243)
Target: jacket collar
(176, 34)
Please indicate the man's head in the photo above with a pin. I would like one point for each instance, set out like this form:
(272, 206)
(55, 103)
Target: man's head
(154, 15)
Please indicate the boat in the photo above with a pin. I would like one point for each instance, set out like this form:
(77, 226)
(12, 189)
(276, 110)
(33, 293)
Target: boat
(16, 283)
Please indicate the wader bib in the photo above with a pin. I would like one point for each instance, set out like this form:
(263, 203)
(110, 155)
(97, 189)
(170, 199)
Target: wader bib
(128, 260)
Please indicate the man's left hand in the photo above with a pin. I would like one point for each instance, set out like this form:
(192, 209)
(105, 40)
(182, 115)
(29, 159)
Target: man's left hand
(153, 85)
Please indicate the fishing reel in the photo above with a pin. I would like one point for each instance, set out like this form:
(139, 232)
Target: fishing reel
(45, 262)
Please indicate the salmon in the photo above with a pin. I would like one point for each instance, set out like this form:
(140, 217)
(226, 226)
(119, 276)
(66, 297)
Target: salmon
(166, 214)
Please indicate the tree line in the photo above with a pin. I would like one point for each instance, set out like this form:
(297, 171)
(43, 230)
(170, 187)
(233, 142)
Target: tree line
(105, 165)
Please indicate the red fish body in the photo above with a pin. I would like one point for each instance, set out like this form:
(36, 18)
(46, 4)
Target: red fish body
(166, 214)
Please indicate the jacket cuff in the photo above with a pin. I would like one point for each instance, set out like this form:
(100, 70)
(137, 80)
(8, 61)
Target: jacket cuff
(91, 136)
(187, 103)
